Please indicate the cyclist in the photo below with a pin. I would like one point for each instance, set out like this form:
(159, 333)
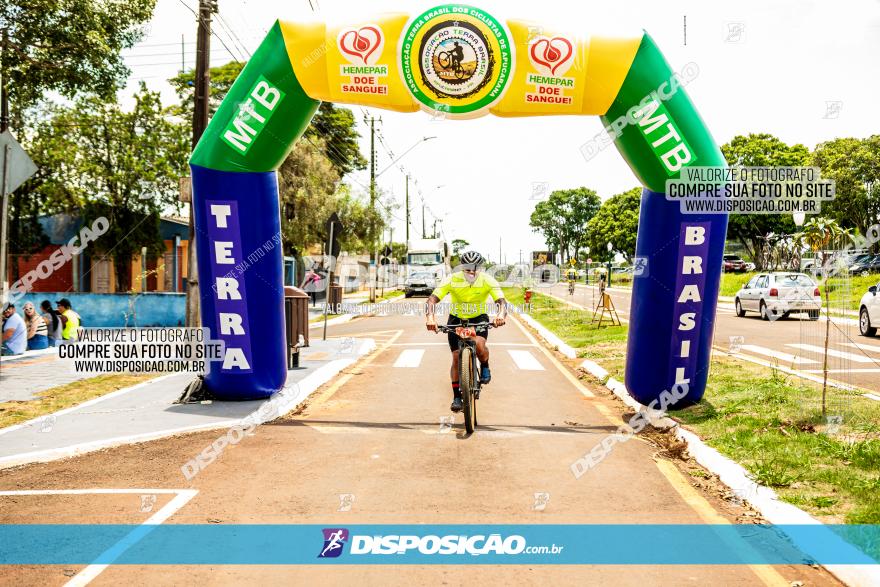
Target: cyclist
(468, 290)
(456, 55)
(571, 276)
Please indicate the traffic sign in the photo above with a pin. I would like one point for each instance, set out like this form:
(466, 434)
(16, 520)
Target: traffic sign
(334, 231)
(19, 168)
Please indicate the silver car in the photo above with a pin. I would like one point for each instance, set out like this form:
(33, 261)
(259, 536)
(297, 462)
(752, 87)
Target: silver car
(869, 312)
(421, 282)
(776, 295)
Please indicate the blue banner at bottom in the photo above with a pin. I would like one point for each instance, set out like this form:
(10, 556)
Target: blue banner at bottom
(650, 544)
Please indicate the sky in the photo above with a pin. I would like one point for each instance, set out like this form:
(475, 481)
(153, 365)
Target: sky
(804, 71)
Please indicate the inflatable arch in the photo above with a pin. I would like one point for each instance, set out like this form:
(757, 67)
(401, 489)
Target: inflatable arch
(454, 61)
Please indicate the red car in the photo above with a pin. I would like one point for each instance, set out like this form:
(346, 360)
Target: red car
(733, 264)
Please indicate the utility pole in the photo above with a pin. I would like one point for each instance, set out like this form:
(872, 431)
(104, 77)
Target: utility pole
(202, 91)
(424, 233)
(373, 209)
(407, 207)
(4, 87)
(4, 173)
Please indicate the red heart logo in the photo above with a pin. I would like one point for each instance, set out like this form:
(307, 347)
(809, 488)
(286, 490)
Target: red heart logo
(360, 42)
(551, 53)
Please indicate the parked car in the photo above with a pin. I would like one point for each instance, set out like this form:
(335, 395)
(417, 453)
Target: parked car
(420, 282)
(774, 295)
(733, 264)
(866, 265)
(869, 312)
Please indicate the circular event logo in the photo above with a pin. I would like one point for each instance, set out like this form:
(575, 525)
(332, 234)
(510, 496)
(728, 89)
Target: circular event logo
(456, 59)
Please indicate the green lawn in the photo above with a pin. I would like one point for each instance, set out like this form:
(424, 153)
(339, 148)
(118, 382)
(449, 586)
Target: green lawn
(768, 421)
(65, 396)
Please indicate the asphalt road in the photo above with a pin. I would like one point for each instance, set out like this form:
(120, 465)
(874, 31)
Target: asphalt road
(794, 342)
(377, 445)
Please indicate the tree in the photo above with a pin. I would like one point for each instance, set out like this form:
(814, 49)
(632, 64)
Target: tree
(616, 222)
(854, 165)
(121, 165)
(335, 126)
(68, 47)
(562, 219)
(458, 245)
(307, 182)
(220, 78)
(761, 150)
(310, 191)
(822, 234)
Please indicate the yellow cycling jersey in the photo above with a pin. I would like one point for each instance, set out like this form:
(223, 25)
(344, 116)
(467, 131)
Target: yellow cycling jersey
(468, 299)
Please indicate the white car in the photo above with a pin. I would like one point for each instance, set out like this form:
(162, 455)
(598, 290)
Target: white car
(776, 295)
(869, 312)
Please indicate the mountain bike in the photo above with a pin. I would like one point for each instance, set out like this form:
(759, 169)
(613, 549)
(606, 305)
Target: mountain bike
(449, 63)
(468, 368)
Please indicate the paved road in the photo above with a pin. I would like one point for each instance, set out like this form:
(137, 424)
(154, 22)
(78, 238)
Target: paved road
(380, 435)
(794, 342)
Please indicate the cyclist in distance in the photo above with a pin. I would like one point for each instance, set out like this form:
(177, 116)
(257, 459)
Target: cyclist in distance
(468, 290)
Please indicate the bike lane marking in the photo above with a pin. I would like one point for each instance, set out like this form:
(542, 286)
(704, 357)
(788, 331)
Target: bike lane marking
(410, 358)
(525, 360)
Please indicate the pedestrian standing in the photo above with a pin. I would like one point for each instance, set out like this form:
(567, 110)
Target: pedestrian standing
(69, 319)
(37, 332)
(53, 322)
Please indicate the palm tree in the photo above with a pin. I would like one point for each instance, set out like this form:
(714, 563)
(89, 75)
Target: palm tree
(820, 234)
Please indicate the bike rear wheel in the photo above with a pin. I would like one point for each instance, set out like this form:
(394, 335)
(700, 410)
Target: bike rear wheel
(466, 385)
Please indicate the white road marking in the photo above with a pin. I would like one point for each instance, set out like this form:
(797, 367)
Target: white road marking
(785, 357)
(872, 396)
(525, 360)
(863, 346)
(832, 353)
(410, 358)
(89, 573)
(338, 429)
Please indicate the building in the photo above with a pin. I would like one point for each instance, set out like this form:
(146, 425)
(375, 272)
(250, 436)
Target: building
(95, 273)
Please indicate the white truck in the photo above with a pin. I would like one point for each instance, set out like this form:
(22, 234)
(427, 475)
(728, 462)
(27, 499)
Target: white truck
(427, 263)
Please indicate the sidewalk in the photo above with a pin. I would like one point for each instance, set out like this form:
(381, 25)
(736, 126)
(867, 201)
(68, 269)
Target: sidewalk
(146, 411)
(23, 377)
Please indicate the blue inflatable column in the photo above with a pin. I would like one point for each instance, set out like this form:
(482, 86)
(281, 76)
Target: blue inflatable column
(674, 299)
(238, 244)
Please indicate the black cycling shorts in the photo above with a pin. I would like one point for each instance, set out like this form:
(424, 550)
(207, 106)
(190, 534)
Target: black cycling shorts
(456, 321)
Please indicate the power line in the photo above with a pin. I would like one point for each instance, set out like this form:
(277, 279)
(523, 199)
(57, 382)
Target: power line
(199, 19)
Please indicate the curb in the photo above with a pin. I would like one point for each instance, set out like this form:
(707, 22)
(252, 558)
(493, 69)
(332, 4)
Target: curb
(305, 387)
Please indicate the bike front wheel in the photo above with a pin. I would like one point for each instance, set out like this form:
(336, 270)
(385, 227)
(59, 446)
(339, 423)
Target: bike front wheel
(466, 385)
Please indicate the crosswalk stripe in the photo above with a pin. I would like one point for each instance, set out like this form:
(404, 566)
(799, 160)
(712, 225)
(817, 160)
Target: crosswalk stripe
(525, 360)
(832, 353)
(410, 358)
(862, 346)
(785, 357)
